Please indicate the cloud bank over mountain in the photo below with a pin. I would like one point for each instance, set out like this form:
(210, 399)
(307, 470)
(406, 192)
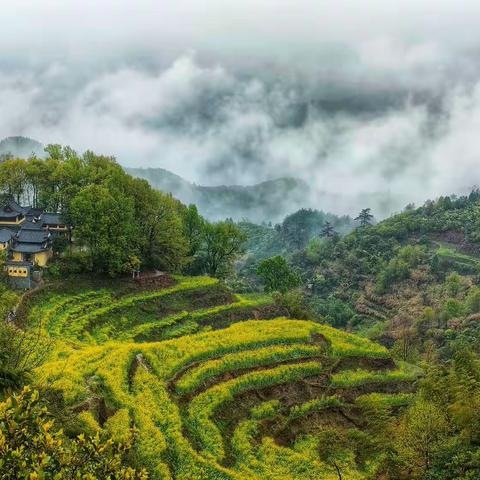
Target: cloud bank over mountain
(371, 105)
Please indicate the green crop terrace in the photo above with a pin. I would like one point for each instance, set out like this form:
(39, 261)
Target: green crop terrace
(212, 383)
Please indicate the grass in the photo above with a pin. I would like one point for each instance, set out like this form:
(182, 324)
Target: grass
(195, 377)
(356, 378)
(466, 263)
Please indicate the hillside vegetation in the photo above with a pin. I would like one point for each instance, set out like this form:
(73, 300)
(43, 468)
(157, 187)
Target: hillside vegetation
(320, 347)
(212, 393)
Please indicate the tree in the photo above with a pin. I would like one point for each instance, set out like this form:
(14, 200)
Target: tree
(104, 222)
(334, 449)
(222, 244)
(421, 434)
(193, 224)
(456, 461)
(327, 230)
(12, 177)
(166, 246)
(31, 448)
(299, 227)
(277, 276)
(365, 217)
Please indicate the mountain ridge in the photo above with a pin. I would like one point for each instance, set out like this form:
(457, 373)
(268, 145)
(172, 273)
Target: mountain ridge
(269, 200)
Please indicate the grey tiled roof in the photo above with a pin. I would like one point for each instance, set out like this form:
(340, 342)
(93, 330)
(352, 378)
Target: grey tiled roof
(32, 236)
(29, 247)
(5, 235)
(29, 225)
(52, 219)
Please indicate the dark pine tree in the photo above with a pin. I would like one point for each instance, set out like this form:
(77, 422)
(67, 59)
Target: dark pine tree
(365, 217)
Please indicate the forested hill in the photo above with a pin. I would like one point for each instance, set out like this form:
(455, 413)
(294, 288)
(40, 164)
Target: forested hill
(22, 147)
(411, 281)
(266, 201)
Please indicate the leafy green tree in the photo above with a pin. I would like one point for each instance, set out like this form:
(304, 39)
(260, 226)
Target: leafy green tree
(365, 217)
(473, 300)
(423, 431)
(277, 275)
(194, 226)
(104, 222)
(31, 448)
(455, 461)
(12, 177)
(335, 311)
(165, 245)
(342, 448)
(395, 271)
(293, 301)
(223, 243)
(299, 227)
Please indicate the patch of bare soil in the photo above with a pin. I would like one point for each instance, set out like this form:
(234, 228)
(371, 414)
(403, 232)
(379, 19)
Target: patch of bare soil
(151, 281)
(225, 319)
(456, 239)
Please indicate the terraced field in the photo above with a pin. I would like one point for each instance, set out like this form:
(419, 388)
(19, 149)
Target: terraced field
(212, 393)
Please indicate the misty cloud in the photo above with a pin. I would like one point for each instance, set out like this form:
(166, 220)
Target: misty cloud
(371, 110)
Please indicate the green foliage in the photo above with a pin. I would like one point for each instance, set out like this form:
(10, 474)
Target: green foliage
(8, 299)
(277, 276)
(31, 448)
(115, 217)
(365, 217)
(222, 243)
(300, 227)
(399, 267)
(104, 221)
(423, 433)
(455, 461)
(21, 351)
(473, 300)
(194, 226)
(334, 310)
(294, 303)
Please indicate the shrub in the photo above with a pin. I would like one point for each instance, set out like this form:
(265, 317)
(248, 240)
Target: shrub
(294, 302)
(20, 353)
(277, 276)
(31, 448)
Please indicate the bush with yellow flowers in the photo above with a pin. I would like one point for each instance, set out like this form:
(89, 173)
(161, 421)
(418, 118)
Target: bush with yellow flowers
(32, 448)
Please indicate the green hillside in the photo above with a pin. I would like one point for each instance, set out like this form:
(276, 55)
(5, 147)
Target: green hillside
(410, 278)
(212, 394)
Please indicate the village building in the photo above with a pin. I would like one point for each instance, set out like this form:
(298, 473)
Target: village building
(27, 234)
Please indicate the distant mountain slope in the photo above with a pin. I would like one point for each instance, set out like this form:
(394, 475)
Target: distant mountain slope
(265, 201)
(22, 147)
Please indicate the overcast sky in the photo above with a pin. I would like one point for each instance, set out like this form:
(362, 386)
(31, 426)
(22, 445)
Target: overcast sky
(372, 102)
